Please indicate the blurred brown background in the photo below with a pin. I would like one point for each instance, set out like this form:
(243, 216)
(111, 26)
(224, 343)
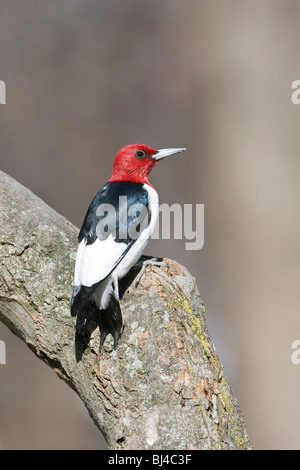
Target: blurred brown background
(86, 77)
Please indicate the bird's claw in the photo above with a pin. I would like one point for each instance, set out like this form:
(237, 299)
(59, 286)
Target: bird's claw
(147, 262)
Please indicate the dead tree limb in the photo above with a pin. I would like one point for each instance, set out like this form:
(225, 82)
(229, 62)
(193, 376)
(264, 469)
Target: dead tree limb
(164, 387)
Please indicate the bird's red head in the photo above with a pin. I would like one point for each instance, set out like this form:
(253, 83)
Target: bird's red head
(134, 162)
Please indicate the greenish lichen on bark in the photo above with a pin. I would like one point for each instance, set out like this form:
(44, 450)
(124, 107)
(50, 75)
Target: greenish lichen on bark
(164, 387)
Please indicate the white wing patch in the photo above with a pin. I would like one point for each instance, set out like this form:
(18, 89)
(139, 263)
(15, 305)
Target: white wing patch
(94, 262)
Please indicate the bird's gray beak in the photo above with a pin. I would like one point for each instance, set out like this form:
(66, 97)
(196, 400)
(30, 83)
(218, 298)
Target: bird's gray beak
(162, 153)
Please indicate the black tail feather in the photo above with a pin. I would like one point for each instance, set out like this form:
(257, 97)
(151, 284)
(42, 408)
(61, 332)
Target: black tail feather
(80, 297)
(111, 322)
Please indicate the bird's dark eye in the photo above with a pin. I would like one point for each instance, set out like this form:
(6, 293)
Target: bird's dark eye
(140, 154)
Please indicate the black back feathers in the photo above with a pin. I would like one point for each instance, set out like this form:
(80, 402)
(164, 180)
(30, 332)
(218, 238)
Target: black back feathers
(122, 196)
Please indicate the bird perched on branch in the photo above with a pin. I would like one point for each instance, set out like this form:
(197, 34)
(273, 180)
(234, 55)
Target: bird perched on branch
(116, 229)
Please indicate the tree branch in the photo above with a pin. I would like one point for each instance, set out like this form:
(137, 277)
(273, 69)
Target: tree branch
(164, 387)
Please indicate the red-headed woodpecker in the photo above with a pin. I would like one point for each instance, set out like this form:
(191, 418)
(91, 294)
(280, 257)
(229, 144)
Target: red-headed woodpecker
(116, 229)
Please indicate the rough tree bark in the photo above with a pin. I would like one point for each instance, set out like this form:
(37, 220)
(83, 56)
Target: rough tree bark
(164, 387)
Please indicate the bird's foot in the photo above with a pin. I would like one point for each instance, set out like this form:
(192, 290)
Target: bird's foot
(146, 262)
